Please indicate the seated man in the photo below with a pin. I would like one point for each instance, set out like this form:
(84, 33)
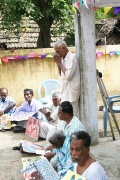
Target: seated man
(51, 110)
(51, 114)
(7, 103)
(62, 145)
(85, 165)
(30, 105)
(69, 122)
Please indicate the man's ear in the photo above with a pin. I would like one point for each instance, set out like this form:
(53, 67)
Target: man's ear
(88, 150)
(66, 114)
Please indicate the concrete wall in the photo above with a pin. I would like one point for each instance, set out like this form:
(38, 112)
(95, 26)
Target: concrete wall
(20, 74)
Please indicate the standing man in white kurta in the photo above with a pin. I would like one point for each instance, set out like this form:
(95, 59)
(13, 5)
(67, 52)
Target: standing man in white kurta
(68, 67)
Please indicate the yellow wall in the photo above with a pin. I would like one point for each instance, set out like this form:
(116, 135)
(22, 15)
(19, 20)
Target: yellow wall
(110, 68)
(20, 74)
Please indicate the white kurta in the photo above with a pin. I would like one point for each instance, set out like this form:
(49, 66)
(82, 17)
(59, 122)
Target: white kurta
(70, 81)
(94, 172)
(54, 113)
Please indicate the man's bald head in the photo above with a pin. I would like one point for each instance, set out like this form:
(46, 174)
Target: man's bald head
(61, 48)
(3, 93)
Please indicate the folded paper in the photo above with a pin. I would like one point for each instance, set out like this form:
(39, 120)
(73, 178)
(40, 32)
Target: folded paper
(5, 60)
(106, 9)
(70, 175)
(118, 52)
(99, 54)
(116, 10)
(112, 53)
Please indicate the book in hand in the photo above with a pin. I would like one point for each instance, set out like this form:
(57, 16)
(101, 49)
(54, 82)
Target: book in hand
(70, 175)
(40, 170)
(29, 160)
(21, 116)
(4, 122)
(33, 128)
(30, 147)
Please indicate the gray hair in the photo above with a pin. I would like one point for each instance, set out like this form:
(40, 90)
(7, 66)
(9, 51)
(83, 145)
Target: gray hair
(60, 42)
(54, 134)
(56, 94)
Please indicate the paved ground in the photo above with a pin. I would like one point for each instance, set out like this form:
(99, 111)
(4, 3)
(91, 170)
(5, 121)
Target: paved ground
(107, 152)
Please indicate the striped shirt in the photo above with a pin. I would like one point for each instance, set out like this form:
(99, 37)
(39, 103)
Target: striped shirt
(74, 125)
(64, 162)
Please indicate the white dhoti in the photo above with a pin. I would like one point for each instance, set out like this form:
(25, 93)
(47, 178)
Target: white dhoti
(45, 128)
(76, 108)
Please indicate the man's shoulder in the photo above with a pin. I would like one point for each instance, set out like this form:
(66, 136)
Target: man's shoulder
(96, 166)
(71, 54)
(36, 101)
(75, 119)
(9, 98)
(77, 123)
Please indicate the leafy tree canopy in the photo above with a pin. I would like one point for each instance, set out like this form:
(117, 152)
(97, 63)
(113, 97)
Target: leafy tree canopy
(46, 13)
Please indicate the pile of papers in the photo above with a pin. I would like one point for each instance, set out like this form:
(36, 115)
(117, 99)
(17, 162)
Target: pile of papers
(33, 148)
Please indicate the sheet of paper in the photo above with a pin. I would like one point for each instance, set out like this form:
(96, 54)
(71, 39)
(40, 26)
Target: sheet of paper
(42, 152)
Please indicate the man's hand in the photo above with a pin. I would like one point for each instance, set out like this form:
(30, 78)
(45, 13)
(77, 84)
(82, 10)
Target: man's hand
(57, 59)
(47, 113)
(50, 147)
(49, 155)
(1, 112)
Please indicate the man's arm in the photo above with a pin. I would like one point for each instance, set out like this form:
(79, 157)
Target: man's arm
(46, 113)
(57, 59)
(21, 108)
(9, 107)
(59, 69)
(54, 115)
(68, 165)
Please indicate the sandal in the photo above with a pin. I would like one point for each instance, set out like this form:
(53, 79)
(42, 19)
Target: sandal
(16, 148)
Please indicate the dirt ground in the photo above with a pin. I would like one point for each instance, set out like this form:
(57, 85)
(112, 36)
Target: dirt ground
(107, 152)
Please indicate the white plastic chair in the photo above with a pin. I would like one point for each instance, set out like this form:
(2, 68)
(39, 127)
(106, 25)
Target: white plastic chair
(49, 85)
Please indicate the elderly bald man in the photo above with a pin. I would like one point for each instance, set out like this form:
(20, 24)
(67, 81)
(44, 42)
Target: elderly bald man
(51, 110)
(62, 144)
(69, 71)
(7, 103)
(51, 115)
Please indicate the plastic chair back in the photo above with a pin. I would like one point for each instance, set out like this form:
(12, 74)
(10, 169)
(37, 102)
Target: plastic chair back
(49, 85)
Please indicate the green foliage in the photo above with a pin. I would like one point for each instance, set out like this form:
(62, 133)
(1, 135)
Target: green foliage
(99, 14)
(43, 12)
(46, 13)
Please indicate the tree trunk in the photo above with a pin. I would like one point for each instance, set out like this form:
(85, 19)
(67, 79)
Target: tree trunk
(44, 37)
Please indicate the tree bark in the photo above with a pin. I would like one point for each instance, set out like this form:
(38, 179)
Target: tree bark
(44, 38)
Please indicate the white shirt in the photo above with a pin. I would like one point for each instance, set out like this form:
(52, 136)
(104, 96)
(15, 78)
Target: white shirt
(74, 125)
(34, 106)
(54, 111)
(7, 102)
(94, 172)
(70, 81)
